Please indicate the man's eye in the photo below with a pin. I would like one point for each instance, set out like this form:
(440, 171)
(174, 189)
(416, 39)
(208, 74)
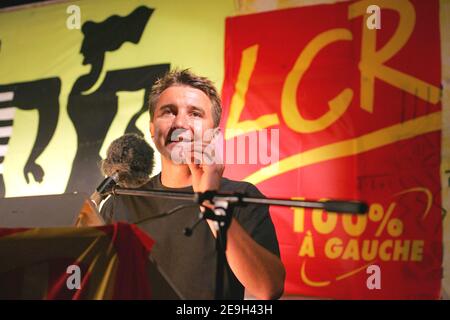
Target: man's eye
(196, 114)
(166, 111)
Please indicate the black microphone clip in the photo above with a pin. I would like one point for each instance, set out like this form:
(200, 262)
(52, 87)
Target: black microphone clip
(107, 185)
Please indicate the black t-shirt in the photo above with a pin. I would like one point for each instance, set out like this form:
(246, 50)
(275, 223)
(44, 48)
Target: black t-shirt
(190, 262)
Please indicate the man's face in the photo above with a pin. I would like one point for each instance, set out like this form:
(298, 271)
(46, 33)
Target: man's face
(181, 115)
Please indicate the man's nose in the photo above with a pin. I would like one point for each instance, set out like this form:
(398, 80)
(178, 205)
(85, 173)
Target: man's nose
(181, 121)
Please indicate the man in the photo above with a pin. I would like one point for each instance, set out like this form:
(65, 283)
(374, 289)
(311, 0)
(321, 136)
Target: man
(183, 106)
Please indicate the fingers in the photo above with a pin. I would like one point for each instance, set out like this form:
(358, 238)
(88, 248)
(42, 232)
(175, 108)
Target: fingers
(196, 153)
(205, 172)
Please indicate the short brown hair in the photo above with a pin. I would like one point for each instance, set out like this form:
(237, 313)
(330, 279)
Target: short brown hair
(186, 77)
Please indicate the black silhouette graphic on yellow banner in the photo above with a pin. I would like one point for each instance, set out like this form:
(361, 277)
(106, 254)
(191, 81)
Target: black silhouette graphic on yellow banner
(92, 106)
(92, 113)
(42, 95)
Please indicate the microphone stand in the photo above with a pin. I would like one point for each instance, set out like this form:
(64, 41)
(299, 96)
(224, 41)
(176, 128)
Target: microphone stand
(224, 204)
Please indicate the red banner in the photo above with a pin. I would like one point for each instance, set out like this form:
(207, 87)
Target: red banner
(358, 115)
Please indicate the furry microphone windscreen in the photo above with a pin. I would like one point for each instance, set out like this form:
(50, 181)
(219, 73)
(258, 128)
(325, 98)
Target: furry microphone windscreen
(132, 158)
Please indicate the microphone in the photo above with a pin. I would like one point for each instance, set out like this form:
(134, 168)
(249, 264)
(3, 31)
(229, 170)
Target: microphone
(129, 163)
(105, 188)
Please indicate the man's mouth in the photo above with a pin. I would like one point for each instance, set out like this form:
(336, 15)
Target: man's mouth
(178, 139)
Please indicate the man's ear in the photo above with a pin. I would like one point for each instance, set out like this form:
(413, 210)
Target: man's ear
(152, 129)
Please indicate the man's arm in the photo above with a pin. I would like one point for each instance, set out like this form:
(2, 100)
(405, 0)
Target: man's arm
(260, 271)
